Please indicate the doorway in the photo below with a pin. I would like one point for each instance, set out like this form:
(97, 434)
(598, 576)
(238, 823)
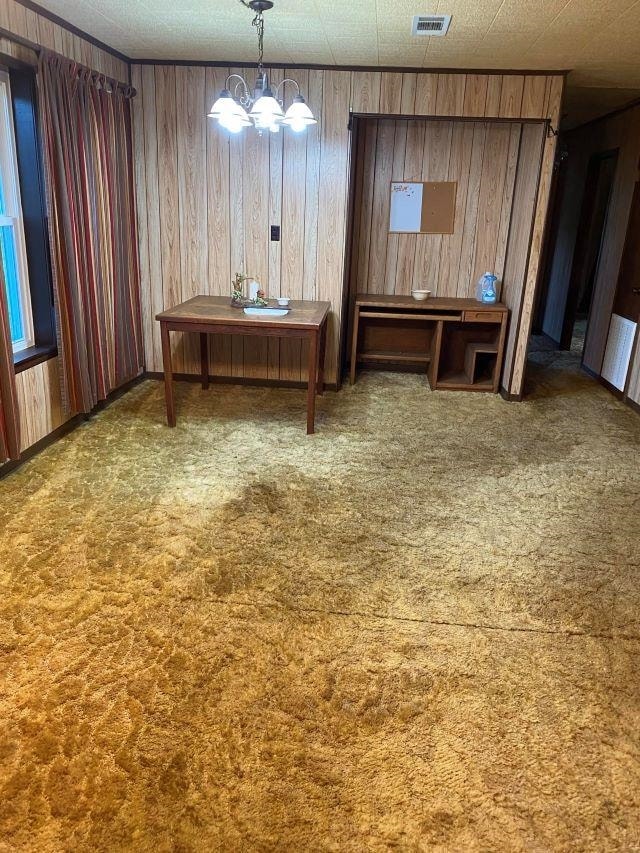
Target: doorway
(586, 258)
(627, 300)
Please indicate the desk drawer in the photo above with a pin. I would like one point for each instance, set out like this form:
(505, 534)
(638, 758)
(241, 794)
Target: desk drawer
(483, 316)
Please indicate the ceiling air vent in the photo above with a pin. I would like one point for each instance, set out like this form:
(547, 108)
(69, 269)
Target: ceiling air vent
(430, 25)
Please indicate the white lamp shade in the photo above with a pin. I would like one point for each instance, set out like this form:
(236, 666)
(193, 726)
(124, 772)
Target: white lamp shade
(267, 105)
(226, 105)
(299, 116)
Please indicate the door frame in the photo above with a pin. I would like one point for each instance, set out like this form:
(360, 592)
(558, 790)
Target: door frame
(584, 222)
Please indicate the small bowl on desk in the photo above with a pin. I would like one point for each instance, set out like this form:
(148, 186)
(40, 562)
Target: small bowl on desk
(420, 295)
(283, 301)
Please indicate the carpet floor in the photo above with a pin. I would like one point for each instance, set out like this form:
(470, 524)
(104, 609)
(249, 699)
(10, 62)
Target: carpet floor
(417, 630)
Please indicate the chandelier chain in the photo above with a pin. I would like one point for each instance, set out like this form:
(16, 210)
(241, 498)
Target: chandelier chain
(258, 23)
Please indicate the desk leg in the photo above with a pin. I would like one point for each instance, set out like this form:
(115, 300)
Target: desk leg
(354, 346)
(168, 373)
(321, 355)
(204, 360)
(311, 383)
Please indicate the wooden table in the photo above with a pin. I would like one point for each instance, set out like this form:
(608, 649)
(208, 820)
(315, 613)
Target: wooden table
(215, 314)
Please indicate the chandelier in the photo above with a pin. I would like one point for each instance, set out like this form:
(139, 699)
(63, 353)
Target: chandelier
(238, 106)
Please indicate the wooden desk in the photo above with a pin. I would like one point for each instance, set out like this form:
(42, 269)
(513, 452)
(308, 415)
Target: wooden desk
(214, 314)
(460, 342)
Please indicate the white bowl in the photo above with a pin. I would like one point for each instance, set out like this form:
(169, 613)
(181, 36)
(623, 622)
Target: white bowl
(283, 300)
(266, 312)
(420, 295)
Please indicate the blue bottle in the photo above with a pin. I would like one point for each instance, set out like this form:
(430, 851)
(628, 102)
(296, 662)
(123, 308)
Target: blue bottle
(487, 290)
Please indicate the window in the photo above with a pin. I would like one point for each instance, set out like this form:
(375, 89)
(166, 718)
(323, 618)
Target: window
(12, 236)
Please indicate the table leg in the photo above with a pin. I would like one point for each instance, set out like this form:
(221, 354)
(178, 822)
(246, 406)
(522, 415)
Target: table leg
(204, 360)
(311, 383)
(321, 355)
(168, 373)
(354, 346)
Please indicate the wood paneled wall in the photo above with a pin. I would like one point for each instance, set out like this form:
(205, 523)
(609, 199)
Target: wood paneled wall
(496, 166)
(205, 201)
(39, 402)
(621, 132)
(519, 241)
(38, 388)
(17, 20)
(481, 157)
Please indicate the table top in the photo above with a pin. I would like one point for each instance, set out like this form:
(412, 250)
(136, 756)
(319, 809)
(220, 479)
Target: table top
(217, 310)
(434, 303)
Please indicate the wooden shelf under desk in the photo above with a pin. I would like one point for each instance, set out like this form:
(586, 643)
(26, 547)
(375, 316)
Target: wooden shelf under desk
(390, 356)
(459, 341)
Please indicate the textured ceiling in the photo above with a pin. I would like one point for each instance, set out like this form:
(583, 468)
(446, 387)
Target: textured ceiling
(598, 39)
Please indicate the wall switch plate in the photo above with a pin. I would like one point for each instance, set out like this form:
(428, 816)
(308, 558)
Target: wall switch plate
(275, 232)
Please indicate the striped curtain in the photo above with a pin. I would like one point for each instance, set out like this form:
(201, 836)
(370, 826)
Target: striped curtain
(9, 423)
(86, 121)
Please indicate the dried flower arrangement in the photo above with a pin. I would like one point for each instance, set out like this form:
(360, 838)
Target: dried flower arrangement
(238, 298)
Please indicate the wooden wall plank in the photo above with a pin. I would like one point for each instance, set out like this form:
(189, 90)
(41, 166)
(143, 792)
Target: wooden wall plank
(435, 160)
(276, 148)
(332, 206)
(365, 91)
(466, 283)
(47, 33)
(414, 154)
(150, 196)
(366, 203)
(426, 93)
(494, 90)
(192, 193)
(475, 95)
(533, 96)
(511, 96)
(294, 170)
(380, 208)
(168, 193)
(450, 94)
(255, 205)
(459, 170)
(142, 214)
(408, 99)
(514, 280)
(312, 189)
(236, 229)
(397, 174)
(507, 198)
(39, 402)
(391, 93)
(218, 218)
(494, 171)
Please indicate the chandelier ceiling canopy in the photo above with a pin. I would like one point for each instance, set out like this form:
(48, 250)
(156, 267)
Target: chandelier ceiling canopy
(238, 106)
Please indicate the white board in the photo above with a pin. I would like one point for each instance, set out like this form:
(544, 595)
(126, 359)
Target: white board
(406, 207)
(617, 355)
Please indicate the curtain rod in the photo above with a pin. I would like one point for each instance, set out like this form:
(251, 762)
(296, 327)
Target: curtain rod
(44, 53)
(39, 50)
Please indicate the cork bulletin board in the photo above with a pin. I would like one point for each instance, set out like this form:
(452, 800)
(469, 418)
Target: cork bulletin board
(426, 207)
